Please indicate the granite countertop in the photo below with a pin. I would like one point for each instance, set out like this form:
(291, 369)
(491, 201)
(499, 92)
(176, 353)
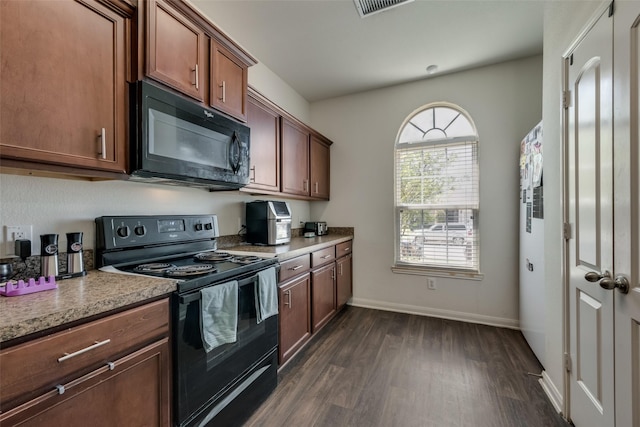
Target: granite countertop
(75, 299)
(99, 292)
(296, 247)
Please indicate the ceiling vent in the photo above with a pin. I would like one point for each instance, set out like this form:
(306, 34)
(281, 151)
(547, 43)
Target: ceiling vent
(370, 7)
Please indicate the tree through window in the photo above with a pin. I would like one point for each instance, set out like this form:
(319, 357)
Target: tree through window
(436, 160)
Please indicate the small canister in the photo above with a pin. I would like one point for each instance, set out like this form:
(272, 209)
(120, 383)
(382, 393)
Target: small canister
(74, 253)
(48, 255)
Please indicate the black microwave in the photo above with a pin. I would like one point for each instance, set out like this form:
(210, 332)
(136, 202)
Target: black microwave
(177, 141)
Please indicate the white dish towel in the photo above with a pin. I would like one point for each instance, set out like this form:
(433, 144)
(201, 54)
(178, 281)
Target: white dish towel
(219, 317)
(266, 291)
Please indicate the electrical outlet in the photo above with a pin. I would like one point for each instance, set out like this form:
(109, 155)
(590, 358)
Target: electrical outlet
(16, 232)
(431, 283)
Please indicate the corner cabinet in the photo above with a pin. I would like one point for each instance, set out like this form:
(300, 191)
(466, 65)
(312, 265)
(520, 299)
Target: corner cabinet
(63, 92)
(175, 49)
(319, 168)
(344, 273)
(62, 379)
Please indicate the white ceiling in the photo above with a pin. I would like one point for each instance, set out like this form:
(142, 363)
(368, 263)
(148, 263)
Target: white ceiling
(323, 49)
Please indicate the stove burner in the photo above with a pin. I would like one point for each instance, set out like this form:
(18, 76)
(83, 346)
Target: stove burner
(154, 267)
(190, 270)
(213, 256)
(245, 259)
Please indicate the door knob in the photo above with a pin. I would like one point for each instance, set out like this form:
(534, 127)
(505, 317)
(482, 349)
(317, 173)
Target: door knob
(607, 282)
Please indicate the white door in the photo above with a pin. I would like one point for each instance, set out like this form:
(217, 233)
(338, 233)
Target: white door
(627, 214)
(590, 214)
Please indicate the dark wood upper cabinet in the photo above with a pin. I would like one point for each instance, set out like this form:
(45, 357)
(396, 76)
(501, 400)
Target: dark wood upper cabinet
(228, 82)
(264, 147)
(319, 167)
(63, 92)
(175, 49)
(295, 159)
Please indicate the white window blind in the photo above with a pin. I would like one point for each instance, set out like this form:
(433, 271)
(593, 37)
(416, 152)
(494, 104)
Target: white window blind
(437, 194)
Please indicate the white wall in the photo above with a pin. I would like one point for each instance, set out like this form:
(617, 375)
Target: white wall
(563, 21)
(505, 102)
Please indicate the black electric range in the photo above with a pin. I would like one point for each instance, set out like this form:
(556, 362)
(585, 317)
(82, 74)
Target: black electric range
(223, 385)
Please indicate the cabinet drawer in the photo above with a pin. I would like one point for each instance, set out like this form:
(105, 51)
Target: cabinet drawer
(343, 249)
(323, 256)
(294, 266)
(28, 369)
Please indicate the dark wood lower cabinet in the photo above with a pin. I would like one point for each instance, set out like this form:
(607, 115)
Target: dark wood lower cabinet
(323, 289)
(343, 280)
(295, 316)
(113, 371)
(132, 391)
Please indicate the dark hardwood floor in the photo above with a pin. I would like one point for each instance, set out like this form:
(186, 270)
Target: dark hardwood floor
(377, 368)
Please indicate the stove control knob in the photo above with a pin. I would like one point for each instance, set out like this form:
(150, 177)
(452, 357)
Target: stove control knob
(208, 226)
(123, 231)
(140, 230)
(198, 227)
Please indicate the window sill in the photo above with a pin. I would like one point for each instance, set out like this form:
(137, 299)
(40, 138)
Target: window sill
(436, 272)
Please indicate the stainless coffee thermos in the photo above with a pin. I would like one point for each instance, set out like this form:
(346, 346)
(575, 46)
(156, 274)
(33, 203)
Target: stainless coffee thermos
(48, 255)
(74, 253)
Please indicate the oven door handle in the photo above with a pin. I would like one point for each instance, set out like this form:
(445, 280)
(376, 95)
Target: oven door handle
(195, 296)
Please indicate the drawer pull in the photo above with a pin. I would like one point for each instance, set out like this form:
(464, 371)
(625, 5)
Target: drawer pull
(326, 256)
(347, 249)
(111, 366)
(84, 350)
(297, 267)
(60, 389)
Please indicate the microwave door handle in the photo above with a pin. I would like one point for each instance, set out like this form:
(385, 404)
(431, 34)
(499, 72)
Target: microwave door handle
(235, 153)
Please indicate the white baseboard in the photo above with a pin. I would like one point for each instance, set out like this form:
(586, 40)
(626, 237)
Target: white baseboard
(551, 391)
(435, 312)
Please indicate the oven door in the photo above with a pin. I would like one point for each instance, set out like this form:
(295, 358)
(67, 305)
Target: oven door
(203, 380)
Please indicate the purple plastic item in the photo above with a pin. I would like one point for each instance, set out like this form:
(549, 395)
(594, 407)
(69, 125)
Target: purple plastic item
(13, 288)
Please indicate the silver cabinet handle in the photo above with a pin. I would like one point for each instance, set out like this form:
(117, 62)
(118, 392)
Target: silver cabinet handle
(288, 301)
(297, 267)
(333, 273)
(316, 187)
(196, 84)
(223, 86)
(347, 249)
(253, 178)
(341, 269)
(84, 350)
(326, 256)
(103, 144)
(306, 185)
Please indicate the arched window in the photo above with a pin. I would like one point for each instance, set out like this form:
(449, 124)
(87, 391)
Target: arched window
(436, 190)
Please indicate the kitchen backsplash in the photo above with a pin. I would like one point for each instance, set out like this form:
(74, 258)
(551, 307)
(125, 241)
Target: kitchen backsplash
(30, 268)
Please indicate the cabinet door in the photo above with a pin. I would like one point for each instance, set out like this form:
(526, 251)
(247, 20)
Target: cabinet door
(323, 295)
(134, 391)
(295, 159)
(319, 160)
(228, 82)
(343, 280)
(175, 50)
(265, 147)
(63, 87)
(295, 321)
